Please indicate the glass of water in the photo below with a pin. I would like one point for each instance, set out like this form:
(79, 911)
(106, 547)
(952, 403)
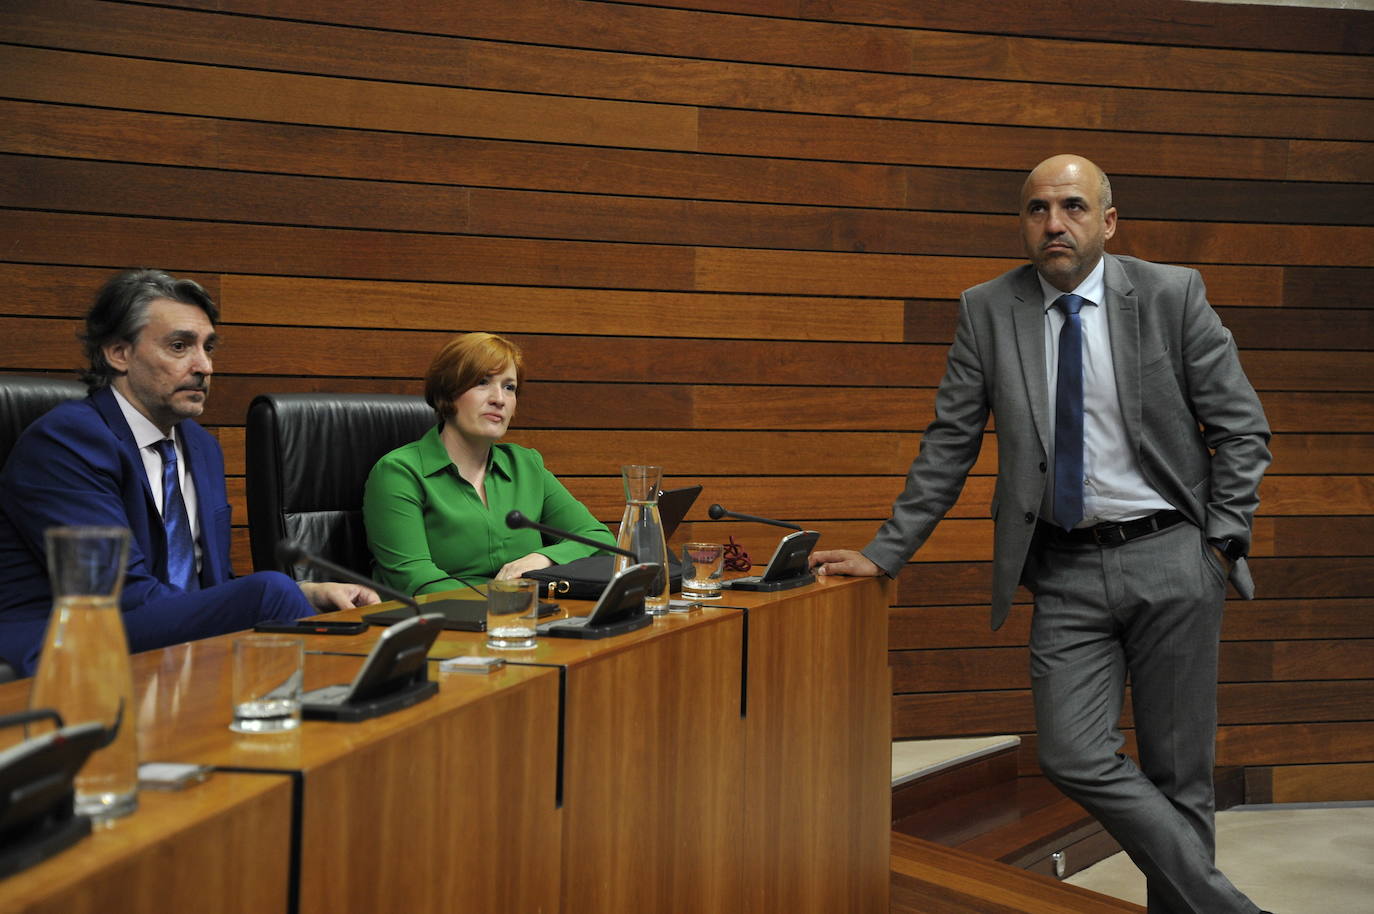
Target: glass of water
(268, 670)
(702, 566)
(511, 609)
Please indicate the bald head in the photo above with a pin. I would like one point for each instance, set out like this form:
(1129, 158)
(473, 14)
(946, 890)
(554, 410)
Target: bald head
(1079, 166)
(1066, 218)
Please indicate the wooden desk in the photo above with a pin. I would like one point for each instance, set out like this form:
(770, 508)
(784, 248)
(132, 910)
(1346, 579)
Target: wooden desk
(818, 748)
(734, 759)
(653, 747)
(404, 812)
(221, 847)
(690, 806)
(400, 813)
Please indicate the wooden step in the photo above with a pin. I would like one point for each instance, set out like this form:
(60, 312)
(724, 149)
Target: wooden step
(925, 773)
(928, 878)
(1020, 821)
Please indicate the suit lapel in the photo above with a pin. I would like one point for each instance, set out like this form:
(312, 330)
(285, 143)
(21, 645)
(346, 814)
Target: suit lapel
(1028, 319)
(1123, 327)
(148, 531)
(105, 404)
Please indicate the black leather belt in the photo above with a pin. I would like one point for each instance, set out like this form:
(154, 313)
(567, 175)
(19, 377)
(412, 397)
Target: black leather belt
(1109, 534)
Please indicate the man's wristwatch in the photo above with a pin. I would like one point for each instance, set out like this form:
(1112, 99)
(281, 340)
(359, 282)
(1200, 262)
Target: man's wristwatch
(1232, 548)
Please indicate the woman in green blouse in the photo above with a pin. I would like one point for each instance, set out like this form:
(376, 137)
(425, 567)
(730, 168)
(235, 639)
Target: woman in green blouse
(435, 509)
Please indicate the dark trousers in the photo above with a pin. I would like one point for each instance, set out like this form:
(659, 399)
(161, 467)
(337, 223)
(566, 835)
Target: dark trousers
(1149, 609)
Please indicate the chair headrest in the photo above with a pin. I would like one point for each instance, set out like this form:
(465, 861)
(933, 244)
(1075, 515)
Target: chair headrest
(24, 398)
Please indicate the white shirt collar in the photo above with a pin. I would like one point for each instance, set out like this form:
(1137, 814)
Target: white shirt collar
(1093, 287)
(145, 432)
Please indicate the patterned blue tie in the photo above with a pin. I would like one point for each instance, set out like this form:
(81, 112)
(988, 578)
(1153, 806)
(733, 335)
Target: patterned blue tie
(181, 550)
(1067, 509)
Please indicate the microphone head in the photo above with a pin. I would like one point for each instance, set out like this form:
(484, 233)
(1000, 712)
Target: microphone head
(515, 520)
(716, 512)
(289, 552)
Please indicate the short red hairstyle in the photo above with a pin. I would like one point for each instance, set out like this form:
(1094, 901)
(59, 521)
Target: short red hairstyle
(464, 361)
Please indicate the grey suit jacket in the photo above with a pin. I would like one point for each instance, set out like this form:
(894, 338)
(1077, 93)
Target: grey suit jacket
(1192, 417)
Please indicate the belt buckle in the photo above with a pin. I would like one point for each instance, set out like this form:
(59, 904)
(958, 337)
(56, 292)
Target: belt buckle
(1109, 534)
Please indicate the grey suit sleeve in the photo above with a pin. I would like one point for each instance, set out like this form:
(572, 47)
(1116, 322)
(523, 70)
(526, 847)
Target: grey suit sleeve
(948, 449)
(1230, 415)
(1232, 422)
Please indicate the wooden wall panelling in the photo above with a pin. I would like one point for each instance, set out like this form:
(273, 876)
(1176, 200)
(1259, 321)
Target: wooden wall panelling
(811, 183)
(438, 60)
(976, 669)
(609, 218)
(375, 154)
(1166, 22)
(836, 36)
(804, 176)
(210, 246)
(1320, 783)
(45, 75)
(994, 711)
(931, 627)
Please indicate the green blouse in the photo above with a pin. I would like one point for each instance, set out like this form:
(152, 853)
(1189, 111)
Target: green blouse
(427, 528)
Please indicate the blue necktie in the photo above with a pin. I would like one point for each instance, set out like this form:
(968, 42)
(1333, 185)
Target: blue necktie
(181, 550)
(1067, 509)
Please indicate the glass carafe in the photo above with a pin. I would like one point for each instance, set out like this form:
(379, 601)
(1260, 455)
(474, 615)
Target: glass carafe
(83, 671)
(641, 531)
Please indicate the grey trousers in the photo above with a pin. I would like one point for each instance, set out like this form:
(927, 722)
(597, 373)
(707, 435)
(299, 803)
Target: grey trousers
(1150, 608)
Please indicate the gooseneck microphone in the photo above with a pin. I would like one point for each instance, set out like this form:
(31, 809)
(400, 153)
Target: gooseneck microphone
(290, 552)
(716, 512)
(516, 520)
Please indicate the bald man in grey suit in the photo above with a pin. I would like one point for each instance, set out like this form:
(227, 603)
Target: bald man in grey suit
(1129, 569)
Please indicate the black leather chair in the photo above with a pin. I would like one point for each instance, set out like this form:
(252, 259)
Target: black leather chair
(24, 398)
(308, 458)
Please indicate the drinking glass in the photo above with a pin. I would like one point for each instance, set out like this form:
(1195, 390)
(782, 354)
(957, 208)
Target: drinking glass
(268, 671)
(702, 565)
(511, 608)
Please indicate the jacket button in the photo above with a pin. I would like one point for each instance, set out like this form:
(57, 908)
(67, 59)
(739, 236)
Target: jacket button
(1030, 518)
(1042, 466)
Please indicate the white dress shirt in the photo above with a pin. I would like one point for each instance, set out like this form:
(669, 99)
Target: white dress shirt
(146, 435)
(1114, 489)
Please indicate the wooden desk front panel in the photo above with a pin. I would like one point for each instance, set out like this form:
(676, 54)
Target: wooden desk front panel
(652, 809)
(423, 818)
(221, 847)
(818, 750)
(400, 812)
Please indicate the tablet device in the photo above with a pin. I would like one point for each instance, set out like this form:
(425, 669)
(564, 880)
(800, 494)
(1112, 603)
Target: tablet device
(458, 614)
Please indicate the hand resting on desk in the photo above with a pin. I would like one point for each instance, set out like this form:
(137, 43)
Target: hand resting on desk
(843, 561)
(330, 596)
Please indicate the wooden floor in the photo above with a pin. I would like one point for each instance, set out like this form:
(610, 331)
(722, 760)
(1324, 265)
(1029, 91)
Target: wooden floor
(928, 878)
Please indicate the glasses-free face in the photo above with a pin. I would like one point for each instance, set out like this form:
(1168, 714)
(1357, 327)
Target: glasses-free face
(483, 411)
(165, 373)
(1063, 224)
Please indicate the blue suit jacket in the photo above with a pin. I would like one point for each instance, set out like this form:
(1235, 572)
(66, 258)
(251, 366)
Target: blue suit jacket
(79, 465)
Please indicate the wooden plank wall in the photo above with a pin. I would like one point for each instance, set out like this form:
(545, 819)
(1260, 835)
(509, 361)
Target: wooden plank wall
(730, 234)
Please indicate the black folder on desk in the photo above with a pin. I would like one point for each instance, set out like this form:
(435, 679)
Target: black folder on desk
(458, 614)
(586, 578)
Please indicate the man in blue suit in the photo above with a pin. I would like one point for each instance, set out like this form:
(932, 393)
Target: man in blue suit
(132, 455)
